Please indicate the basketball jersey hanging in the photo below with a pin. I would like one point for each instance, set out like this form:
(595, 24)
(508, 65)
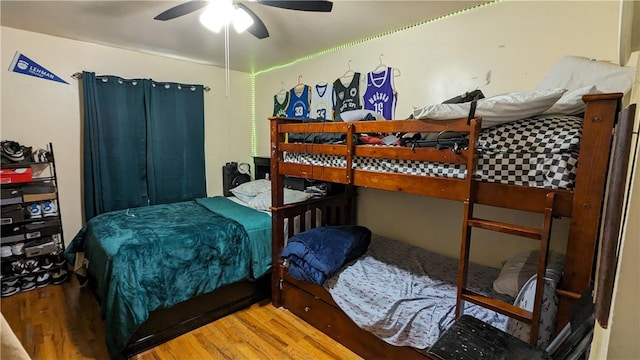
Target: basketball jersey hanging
(380, 95)
(299, 102)
(347, 98)
(280, 108)
(322, 102)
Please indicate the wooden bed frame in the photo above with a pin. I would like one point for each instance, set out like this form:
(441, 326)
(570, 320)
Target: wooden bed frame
(166, 324)
(583, 205)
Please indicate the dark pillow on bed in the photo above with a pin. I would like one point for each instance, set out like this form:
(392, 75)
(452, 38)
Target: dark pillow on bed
(315, 255)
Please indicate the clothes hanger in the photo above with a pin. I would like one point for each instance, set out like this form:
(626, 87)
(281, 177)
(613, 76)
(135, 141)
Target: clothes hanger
(349, 73)
(382, 66)
(282, 91)
(299, 84)
(282, 94)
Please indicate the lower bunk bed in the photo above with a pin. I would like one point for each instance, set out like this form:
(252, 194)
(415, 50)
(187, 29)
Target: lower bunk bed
(397, 299)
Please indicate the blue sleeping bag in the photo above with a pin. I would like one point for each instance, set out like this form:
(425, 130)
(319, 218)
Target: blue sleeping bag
(315, 255)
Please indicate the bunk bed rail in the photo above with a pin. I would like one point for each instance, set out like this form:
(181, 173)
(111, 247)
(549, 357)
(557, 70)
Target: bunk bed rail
(442, 187)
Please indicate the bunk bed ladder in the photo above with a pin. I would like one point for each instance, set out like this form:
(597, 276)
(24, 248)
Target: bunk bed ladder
(542, 234)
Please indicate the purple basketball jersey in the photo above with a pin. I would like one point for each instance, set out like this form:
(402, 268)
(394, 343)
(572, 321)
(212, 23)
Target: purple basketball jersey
(380, 95)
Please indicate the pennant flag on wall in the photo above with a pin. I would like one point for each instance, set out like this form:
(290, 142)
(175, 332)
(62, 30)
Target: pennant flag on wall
(23, 65)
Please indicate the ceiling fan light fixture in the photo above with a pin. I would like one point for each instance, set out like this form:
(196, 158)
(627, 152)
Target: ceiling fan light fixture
(217, 14)
(241, 20)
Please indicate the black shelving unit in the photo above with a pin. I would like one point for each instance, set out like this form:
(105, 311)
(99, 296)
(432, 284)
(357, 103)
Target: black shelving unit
(32, 238)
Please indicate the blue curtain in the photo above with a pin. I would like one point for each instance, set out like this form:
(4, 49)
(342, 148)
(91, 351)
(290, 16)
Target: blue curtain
(114, 144)
(143, 143)
(175, 142)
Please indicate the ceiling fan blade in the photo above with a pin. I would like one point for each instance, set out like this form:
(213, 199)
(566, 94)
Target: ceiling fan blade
(182, 9)
(258, 29)
(304, 5)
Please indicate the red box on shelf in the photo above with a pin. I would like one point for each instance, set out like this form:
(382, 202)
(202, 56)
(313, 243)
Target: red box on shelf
(12, 176)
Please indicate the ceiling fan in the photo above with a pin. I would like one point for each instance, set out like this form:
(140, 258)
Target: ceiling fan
(222, 12)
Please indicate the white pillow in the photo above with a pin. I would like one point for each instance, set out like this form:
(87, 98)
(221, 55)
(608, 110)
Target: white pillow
(247, 191)
(497, 109)
(519, 268)
(263, 201)
(575, 72)
(526, 299)
(359, 114)
(571, 102)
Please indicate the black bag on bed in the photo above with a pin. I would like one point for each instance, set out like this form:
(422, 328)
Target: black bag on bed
(474, 95)
(444, 140)
(317, 138)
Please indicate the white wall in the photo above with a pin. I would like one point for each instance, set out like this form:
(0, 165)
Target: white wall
(35, 111)
(511, 45)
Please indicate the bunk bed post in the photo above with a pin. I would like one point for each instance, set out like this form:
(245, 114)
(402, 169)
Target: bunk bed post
(597, 135)
(277, 217)
(465, 242)
(613, 220)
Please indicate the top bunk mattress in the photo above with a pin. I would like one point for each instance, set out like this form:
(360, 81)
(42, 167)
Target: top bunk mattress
(540, 151)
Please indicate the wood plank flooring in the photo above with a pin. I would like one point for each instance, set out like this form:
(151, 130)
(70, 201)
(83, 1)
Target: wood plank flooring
(63, 322)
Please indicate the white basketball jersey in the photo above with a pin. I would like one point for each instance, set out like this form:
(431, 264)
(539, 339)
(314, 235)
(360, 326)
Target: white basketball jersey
(322, 102)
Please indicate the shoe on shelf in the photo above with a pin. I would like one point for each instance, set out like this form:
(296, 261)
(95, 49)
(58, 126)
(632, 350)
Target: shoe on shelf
(46, 263)
(35, 211)
(5, 251)
(41, 155)
(28, 283)
(49, 208)
(7, 270)
(18, 267)
(32, 265)
(17, 248)
(12, 150)
(11, 281)
(43, 279)
(59, 276)
(59, 260)
(8, 290)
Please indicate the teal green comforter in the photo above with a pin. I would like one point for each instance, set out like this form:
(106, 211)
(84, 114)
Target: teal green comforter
(154, 257)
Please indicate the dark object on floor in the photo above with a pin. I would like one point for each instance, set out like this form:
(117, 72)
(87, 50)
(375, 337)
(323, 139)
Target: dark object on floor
(472, 339)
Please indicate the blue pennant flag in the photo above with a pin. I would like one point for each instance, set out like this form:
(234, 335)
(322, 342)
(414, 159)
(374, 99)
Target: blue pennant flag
(23, 65)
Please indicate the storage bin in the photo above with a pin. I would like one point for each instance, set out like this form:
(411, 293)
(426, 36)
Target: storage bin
(12, 176)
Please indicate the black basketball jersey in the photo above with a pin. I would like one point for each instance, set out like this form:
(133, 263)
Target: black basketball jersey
(347, 98)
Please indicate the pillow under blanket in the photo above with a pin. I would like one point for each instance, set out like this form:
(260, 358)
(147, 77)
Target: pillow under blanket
(315, 255)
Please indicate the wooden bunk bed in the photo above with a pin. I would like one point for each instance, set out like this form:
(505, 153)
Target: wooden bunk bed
(583, 204)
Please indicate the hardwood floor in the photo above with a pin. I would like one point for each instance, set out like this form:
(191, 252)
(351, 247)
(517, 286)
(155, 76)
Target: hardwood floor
(63, 322)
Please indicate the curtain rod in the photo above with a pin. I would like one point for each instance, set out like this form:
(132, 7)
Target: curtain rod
(78, 76)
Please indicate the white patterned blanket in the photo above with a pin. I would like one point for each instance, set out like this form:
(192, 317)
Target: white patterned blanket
(406, 295)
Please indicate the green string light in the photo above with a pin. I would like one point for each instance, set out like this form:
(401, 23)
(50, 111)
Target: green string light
(254, 135)
(341, 47)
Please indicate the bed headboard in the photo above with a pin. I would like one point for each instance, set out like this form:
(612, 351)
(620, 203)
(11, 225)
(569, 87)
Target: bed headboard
(262, 166)
(232, 177)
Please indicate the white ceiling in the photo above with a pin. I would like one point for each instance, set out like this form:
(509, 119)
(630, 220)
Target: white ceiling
(130, 25)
